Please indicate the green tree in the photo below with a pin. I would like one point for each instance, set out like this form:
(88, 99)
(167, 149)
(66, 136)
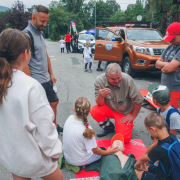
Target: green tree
(59, 21)
(2, 14)
(133, 10)
(73, 6)
(153, 9)
(113, 6)
(118, 16)
(31, 8)
(17, 17)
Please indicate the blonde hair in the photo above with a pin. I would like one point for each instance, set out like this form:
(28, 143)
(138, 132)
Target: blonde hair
(87, 44)
(82, 108)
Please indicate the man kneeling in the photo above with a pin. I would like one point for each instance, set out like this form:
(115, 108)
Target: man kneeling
(118, 97)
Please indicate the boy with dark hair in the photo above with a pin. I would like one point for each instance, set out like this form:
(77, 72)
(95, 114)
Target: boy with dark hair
(156, 126)
(161, 98)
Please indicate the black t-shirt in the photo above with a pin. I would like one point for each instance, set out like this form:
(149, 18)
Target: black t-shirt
(161, 154)
(75, 37)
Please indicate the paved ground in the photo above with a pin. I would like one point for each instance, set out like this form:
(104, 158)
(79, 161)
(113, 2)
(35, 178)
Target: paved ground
(73, 82)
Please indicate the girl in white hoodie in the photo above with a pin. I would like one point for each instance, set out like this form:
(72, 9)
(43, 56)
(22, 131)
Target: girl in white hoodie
(29, 141)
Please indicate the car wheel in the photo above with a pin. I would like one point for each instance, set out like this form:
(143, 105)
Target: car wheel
(127, 68)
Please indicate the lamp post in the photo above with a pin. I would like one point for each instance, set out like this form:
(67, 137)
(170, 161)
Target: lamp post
(48, 31)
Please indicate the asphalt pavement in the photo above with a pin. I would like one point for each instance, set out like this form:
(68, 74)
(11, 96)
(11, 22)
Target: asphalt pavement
(73, 82)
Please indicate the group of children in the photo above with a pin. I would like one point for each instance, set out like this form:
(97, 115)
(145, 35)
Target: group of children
(87, 54)
(80, 148)
(27, 128)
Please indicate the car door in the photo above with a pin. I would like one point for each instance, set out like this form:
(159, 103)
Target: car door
(107, 47)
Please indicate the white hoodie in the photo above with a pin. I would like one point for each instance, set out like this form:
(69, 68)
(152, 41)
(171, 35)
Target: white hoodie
(28, 137)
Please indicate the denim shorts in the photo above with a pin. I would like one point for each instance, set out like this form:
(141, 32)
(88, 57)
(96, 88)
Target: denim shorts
(51, 95)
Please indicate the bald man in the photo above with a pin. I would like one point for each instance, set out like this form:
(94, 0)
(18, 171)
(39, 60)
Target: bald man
(40, 64)
(118, 97)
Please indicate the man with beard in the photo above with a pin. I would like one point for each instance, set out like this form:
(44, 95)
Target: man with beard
(40, 64)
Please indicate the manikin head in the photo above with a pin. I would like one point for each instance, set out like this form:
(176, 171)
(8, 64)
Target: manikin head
(118, 141)
(113, 74)
(40, 17)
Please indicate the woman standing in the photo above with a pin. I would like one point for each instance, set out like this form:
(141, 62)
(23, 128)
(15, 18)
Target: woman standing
(169, 63)
(29, 141)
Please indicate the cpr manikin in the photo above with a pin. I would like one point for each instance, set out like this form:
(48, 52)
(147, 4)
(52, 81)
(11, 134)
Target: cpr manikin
(122, 158)
(115, 166)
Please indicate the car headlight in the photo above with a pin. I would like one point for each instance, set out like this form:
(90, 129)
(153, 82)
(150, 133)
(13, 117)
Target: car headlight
(140, 49)
(84, 44)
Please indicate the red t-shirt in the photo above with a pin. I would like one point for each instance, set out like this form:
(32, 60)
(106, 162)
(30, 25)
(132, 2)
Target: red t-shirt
(68, 37)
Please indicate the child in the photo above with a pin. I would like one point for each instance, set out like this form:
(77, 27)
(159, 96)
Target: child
(156, 126)
(79, 143)
(161, 98)
(29, 141)
(62, 42)
(115, 166)
(87, 55)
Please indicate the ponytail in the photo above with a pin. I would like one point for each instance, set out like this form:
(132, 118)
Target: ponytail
(5, 77)
(83, 107)
(12, 43)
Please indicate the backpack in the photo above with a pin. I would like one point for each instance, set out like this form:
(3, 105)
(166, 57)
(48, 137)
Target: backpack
(174, 158)
(172, 110)
(32, 42)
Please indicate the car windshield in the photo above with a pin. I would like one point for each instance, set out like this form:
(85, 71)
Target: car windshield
(143, 34)
(86, 37)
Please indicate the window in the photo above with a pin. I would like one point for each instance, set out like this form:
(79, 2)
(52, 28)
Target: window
(117, 31)
(106, 35)
(143, 34)
(102, 34)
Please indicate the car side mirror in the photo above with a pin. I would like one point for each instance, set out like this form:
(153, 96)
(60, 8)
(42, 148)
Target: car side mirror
(119, 39)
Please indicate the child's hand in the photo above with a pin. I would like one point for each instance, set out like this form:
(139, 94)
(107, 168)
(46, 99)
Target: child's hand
(140, 167)
(111, 150)
(143, 167)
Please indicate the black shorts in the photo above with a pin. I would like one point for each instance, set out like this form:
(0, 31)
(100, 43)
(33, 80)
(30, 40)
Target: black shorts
(51, 95)
(151, 174)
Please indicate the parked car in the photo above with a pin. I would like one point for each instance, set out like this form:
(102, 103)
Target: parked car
(82, 42)
(134, 49)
